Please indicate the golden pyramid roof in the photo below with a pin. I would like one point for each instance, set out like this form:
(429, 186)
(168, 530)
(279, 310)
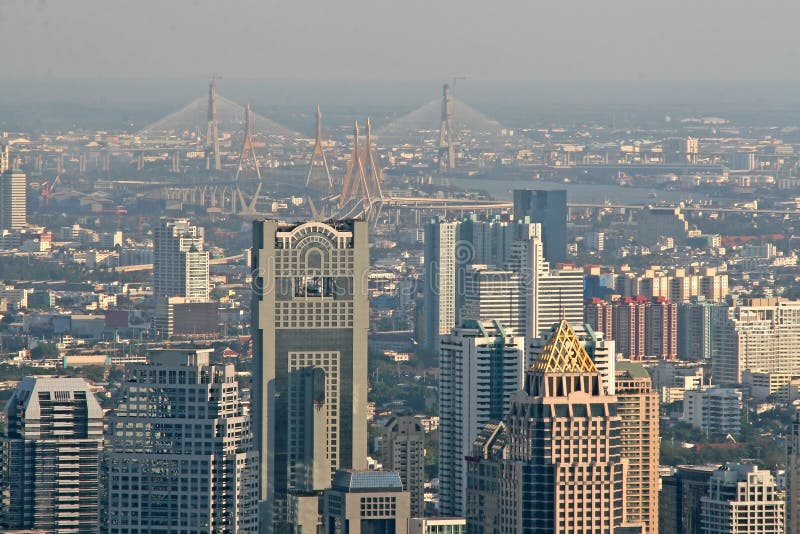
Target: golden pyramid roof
(564, 353)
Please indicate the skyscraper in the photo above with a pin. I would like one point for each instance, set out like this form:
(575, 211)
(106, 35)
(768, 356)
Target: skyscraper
(403, 451)
(679, 507)
(439, 312)
(13, 200)
(493, 294)
(548, 208)
(555, 464)
(480, 369)
(365, 502)
(793, 475)
(759, 334)
(637, 406)
(742, 499)
(50, 457)
(180, 265)
(180, 455)
(310, 321)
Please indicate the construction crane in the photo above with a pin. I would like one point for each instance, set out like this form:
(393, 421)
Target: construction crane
(119, 211)
(48, 187)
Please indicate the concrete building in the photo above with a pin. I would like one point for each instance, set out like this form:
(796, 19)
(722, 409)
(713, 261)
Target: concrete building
(713, 410)
(403, 452)
(793, 477)
(559, 296)
(679, 505)
(437, 525)
(310, 322)
(598, 314)
(366, 502)
(742, 499)
(13, 200)
(480, 369)
(695, 329)
(439, 314)
(759, 334)
(672, 379)
(654, 223)
(493, 295)
(637, 406)
(548, 208)
(559, 448)
(180, 455)
(51, 457)
(180, 265)
(763, 386)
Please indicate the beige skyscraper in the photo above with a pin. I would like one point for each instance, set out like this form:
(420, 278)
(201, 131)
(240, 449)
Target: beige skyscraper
(403, 451)
(742, 499)
(13, 200)
(555, 465)
(637, 406)
(310, 321)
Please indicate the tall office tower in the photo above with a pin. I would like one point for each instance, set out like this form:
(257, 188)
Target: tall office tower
(598, 314)
(365, 502)
(559, 296)
(180, 454)
(742, 499)
(13, 200)
(5, 162)
(480, 369)
(679, 505)
(694, 329)
(180, 265)
(793, 475)
(310, 323)
(50, 457)
(661, 329)
(555, 465)
(549, 208)
(759, 334)
(439, 302)
(403, 451)
(493, 294)
(637, 406)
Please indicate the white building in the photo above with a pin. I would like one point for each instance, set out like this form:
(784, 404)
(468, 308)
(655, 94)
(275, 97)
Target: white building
(759, 335)
(713, 410)
(13, 200)
(51, 457)
(481, 366)
(439, 310)
(742, 499)
(180, 265)
(493, 295)
(180, 455)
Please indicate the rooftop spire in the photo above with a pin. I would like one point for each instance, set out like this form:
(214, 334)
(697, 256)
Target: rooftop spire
(564, 353)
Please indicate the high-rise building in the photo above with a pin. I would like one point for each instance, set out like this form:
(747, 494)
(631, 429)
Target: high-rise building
(598, 314)
(180, 454)
(694, 329)
(759, 334)
(637, 406)
(555, 465)
(661, 329)
(679, 506)
(548, 208)
(50, 457)
(439, 312)
(493, 294)
(559, 296)
(180, 265)
(480, 369)
(642, 327)
(366, 502)
(742, 499)
(403, 451)
(13, 200)
(793, 475)
(310, 322)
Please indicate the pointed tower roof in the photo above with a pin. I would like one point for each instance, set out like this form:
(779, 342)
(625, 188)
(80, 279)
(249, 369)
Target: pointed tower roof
(564, 353)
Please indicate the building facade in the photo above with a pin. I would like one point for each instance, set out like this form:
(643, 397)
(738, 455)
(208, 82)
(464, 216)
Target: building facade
(480, 369)
(403, 451)
(555, 464)
(51, 457)
(366, 502)
(180, 264)
(548, 208)
(180, 455)
(713, 410)
(742, 499)
(310, 322)
(13, 200)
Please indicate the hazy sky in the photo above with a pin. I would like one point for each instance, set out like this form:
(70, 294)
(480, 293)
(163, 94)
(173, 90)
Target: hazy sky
(527, 40)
